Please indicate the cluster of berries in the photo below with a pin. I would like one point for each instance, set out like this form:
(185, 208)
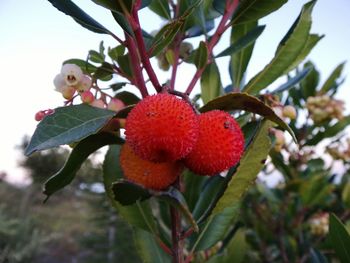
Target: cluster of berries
(324, 108)
(164, 135)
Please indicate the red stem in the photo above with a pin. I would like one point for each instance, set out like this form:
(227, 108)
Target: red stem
(135, 64)
(230, 8)
(135, 24)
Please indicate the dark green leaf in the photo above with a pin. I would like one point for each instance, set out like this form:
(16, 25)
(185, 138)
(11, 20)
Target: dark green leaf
(329, 132)
(219, 6)
(311, 42)
(243, 42)
(252, 161)
(331, 81)
(86, 67)
(210, 83)
(115, 52)
(117, 86)
(139, 214)
(286, 54)
(174, 198)
(104, 72)
(123, 113)
(96, 57)
(118, 6)
(314, 191)
(340, 239)
(165, 36)
(127, 193)
(161, 8)
(310, 82)
(293, 81)
(145, 3)
(127, 97)
(239, 60)
(196, 31)
(243, 101)
(201, 55)
(122, 22)
(317, 257)
(193, 187)
(124, 64)
(67, 125)
(78, 155)
(252, 10)
(148, 249)
(71, 9)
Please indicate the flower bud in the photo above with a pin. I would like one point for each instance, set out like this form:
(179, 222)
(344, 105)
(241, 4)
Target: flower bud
(289, 112)
(39, 115)
(98, 104)
(68, 92)
(87, 97)
(115, 104)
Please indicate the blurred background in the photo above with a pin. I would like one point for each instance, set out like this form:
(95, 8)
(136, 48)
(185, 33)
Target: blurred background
(77, 225)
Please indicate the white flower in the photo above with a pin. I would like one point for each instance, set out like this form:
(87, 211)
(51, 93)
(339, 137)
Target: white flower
(84, 84)
(59, 82)
(72, 74)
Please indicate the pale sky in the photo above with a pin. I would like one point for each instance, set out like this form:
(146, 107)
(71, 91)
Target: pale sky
(35, 38)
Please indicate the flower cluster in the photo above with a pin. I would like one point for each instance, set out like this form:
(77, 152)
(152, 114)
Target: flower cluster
(324, 108)
(340, 151)
(319, 224)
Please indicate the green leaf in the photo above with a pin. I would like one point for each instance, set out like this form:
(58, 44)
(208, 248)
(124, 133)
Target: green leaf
(117, 6)
(252, 161)
(314, 191)
(104, 72)
(329, 132)
(139, 214)
(165, 36)
(219, 6)
(286, 54)
(123, 113)
(216, 228)
(161, 8)
(67, 125)
(243, 42)
(310, 83)
(148, 249)
(210, 83)
(201, 56)
(86, 67)
(78, 155)
(239, 61)
(115, 52)
(331, 81)
(340, 238)
(117, 86)
(174, 198)
(125, 64)
(96, 57)
(252, 10)
(127, 97)
(122, 22)
(246, 102)
(193, 187)
(311, 42)
(128, 193)
(71, 9)
(293, 81)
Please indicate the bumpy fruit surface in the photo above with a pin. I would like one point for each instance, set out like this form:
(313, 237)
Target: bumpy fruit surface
(219, 146)
(161, 128)
(151, 175)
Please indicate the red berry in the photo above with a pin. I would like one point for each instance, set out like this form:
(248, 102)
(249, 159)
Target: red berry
(219, 146)
(151, 175)
(162, 128)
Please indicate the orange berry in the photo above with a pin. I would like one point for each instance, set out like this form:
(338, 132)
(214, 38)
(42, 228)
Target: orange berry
(162, 128)
(219, 146)
(151, 175)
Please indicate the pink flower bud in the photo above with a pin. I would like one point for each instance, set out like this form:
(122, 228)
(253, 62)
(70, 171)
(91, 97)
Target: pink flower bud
(98, 104)
(115, 104)
(87, 97)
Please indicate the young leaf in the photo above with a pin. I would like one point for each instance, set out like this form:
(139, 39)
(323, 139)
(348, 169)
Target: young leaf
(139, 214)
(252, 10)
(128, 193)
(71, 9)
(67, 125)
(331, 81)
(161, 8)
(243, 42)
(340, 238)
(286, 54)
(201, 55)
(86, 67)
(210, 83)
(78, 155)
(251, 163)
(148, 248)
(239, 60)
(96, 57)
(243, 101)
(115, 52)
(310, 82)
